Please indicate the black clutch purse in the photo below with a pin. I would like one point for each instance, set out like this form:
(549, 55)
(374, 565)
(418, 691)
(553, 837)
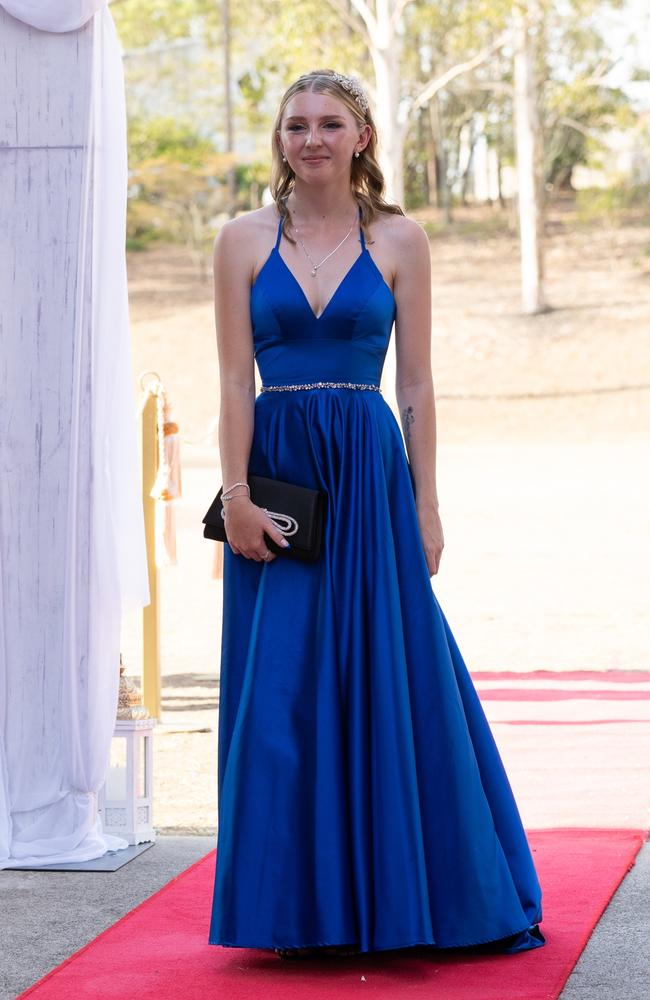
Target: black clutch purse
(297, 511)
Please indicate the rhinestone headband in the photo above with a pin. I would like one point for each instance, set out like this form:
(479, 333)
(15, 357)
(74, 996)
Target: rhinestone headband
(352, 85)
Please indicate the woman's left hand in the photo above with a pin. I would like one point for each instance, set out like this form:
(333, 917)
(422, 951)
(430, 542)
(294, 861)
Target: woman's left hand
(432, 537)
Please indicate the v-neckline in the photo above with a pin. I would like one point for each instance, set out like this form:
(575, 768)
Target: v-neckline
(318, 318)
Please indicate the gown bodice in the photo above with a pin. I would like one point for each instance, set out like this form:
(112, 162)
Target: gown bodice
(347, 342)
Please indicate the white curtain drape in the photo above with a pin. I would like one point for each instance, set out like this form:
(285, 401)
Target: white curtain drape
(72, 551)
(53, 15)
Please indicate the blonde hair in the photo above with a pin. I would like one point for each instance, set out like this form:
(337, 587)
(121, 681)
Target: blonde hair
(366, 179)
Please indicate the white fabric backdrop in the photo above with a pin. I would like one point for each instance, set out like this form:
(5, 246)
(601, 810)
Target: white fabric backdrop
(72, 551)
(53, 15)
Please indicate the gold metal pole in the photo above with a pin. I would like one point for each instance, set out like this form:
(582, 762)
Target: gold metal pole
(217, 568)
(151, 687)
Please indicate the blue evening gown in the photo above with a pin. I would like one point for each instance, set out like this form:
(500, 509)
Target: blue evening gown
(361, 795)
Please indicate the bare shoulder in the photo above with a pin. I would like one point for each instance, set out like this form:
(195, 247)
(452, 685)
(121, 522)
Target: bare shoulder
(244, 241)
(408, 236)
(400, 246)
(246, 226)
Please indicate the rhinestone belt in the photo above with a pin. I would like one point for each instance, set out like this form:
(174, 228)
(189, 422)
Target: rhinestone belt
(321, 385)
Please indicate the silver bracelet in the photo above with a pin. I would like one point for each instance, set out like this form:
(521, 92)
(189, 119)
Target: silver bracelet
(237, 496)
(231, 488)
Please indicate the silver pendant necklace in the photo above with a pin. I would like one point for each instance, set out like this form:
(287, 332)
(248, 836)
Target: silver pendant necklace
(314, 265)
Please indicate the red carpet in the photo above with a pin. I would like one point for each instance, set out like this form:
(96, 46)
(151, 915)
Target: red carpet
(564, 698)
(159, 950)
(544, 694)
(601, 676)
(572, 722)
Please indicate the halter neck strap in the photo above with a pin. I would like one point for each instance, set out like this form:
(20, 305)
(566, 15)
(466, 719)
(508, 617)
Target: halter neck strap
(361, 236)
(279, 236)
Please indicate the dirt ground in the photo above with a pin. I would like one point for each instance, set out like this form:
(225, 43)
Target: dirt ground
(543, 459)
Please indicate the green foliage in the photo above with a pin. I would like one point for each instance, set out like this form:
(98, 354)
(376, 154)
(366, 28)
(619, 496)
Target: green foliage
(273, 41)
(576, 107)
(614, 204)
(145, 225)
(141, 23)
(162, 151)
(177, 201)
(178, 185)
(253, 85)
(166, 137)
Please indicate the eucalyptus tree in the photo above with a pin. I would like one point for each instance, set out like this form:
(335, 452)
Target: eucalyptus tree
(491, 66)
(527, 24)
(386, 28)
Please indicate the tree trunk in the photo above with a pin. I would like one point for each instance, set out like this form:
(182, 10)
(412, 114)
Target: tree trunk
(443, 194)
(502, 200)
(528, 145)
(468, 168)
(432, 160)
(385, 57)
(230, 130)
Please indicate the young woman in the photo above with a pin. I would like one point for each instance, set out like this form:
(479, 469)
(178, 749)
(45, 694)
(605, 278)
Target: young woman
(362, 801)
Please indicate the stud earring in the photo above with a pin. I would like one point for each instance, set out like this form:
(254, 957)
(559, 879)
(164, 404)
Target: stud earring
(284, 157)
(357, 154)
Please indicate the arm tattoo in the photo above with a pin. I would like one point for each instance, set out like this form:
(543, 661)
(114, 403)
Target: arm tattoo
(407, 419)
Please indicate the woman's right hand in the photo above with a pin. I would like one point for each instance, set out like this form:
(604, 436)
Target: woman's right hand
(245, 526)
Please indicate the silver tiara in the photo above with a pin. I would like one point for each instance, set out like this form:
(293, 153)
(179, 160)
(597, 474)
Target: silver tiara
(352, 85)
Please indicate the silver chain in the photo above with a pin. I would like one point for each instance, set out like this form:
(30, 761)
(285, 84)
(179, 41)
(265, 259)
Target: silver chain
(314, 266)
